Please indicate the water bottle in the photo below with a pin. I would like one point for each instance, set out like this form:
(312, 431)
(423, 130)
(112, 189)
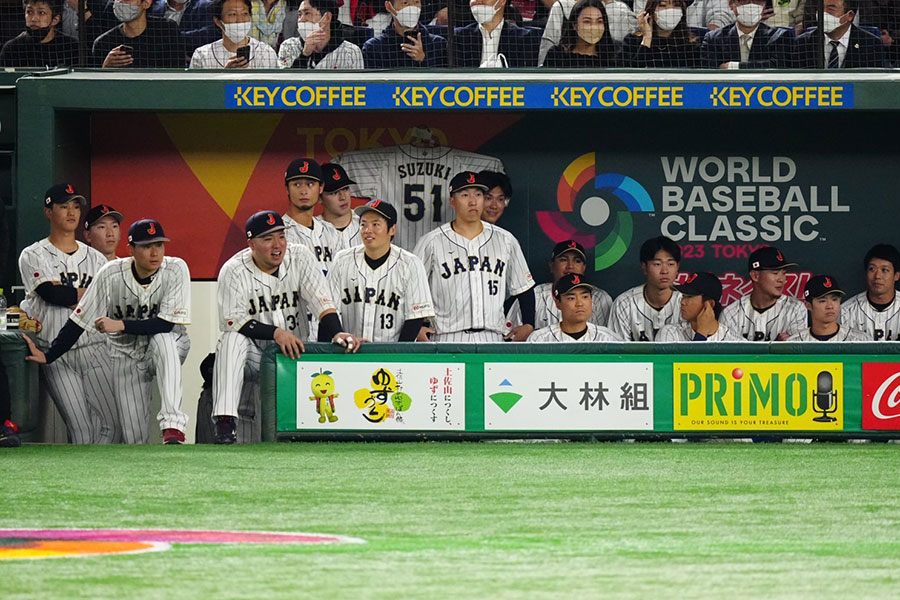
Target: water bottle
(2, 311)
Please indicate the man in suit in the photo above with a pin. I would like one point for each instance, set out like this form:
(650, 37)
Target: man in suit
(194, 19)
(846, 46)
(747, 43)
(492, 43)
(405, 44)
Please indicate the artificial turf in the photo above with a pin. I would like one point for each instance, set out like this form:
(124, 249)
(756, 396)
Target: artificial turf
(469, 520)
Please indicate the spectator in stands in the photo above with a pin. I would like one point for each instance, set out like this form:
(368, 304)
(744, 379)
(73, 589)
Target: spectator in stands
(194, 19)
(497, 196)
(748, 43)
(664, 39)
(701, 14)
(846, 45)
(236, 49)
(405, 44)
(586, 42)
(493, 43)
(619, 16)
(268, 21)
(42, 44)
(140, 40)
(787, 13)
(320, 43)
(884, 15)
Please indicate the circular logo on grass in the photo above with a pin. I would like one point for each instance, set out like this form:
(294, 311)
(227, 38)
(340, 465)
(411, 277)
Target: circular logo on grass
(16, 544)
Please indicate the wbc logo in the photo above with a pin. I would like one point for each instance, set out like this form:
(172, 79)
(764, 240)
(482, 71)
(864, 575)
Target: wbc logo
(881, 396)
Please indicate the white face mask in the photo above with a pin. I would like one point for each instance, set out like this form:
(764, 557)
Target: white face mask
(126, 13)
(668, 19)
(483, 13)
(749, 15)
(236, 32)
(304, 28)
(831, 22)
(408, 16)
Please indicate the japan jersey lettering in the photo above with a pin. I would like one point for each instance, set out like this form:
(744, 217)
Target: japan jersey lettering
(879, 325)
(787, 315)
(416, 179)
(546, 313)
(633, 319)
(375, 304)
(553, 333)
(470, 279)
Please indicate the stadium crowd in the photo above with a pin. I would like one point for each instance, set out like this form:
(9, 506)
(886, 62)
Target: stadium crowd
(403, 34)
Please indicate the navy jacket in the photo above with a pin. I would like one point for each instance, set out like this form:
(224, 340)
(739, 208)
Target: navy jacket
(384, 52)
(864, 50)
(520, 45)
(771, 49)
(197, 27)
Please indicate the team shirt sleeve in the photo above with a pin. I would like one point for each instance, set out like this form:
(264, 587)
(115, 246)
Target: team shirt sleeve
(232, 294)
(519, 276)
(175, 305)
(93, 303)
(313, 287)
(34, 270)
(420, 304)
(618, 319)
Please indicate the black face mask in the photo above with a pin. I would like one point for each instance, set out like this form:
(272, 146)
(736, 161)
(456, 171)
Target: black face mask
(37, 34)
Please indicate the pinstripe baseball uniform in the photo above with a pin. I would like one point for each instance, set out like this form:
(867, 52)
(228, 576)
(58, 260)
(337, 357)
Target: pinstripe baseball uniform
(844, 334)
(350, 233)
(375, 304)
(786, 315)
(553, 333)
(138, 359)
(546, 313)
(683, 332)
(633, 319)
(246, 293)
(470, 279)
(80, 382)
(415, 178)
(879, 325)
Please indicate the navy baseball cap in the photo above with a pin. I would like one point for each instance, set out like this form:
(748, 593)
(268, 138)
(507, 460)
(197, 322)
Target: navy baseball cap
(768, 258)
(466, 179)
(568, 246)
(262, 223)
(335, 177)
(381, 207)
(821, 285)
(146, 231)
(62, 193)
(701, 284)
(303, 168)
(569, 282)
(100, 211)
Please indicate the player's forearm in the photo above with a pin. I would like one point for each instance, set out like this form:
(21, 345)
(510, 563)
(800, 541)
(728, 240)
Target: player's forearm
(58, 295)
(64, 341)
(255, 330)
(410, 330)
(526, 306)
(148, 326)
(329, 326)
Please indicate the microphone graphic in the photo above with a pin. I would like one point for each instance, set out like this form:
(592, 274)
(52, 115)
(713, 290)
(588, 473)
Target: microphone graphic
(824, 398)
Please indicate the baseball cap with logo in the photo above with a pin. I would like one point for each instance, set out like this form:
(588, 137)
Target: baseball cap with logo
(100, 211)
(701, 284)
(146, 231)
(569, 282)
(303, 168)
(466, 179)
(62, 193)
(768, 258)
(568, 246)
(381, 207)
(821, 285)
(263, 223)
(335, 177)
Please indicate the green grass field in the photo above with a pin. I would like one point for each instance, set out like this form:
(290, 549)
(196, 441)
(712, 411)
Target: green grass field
(470, 520)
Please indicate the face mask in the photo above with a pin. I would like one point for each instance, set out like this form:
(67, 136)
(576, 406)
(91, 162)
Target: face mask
(409, 16)
(591, 35)
(37, 34)
(831, 22)
(482, 13)
(668, 19)
(305, 28)
(749, 15)
(236, 32)
(126, 13)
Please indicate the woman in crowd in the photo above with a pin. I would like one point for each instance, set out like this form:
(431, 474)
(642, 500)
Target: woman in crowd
(236, 49)
(586, 41)
(663, 39)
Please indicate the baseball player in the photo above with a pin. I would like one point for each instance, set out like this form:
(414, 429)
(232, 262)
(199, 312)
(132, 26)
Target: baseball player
(639, 313)
(567, 257)
(142, 304)
(497, 197)
(701, 295)
(336, 203)
(766, 314)
(380, 289)
(471, 266)
(573, 295)
(101, 230)
(265, 292)
(822, 298)
(56, 272)
(876, 311)
(417, 178)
